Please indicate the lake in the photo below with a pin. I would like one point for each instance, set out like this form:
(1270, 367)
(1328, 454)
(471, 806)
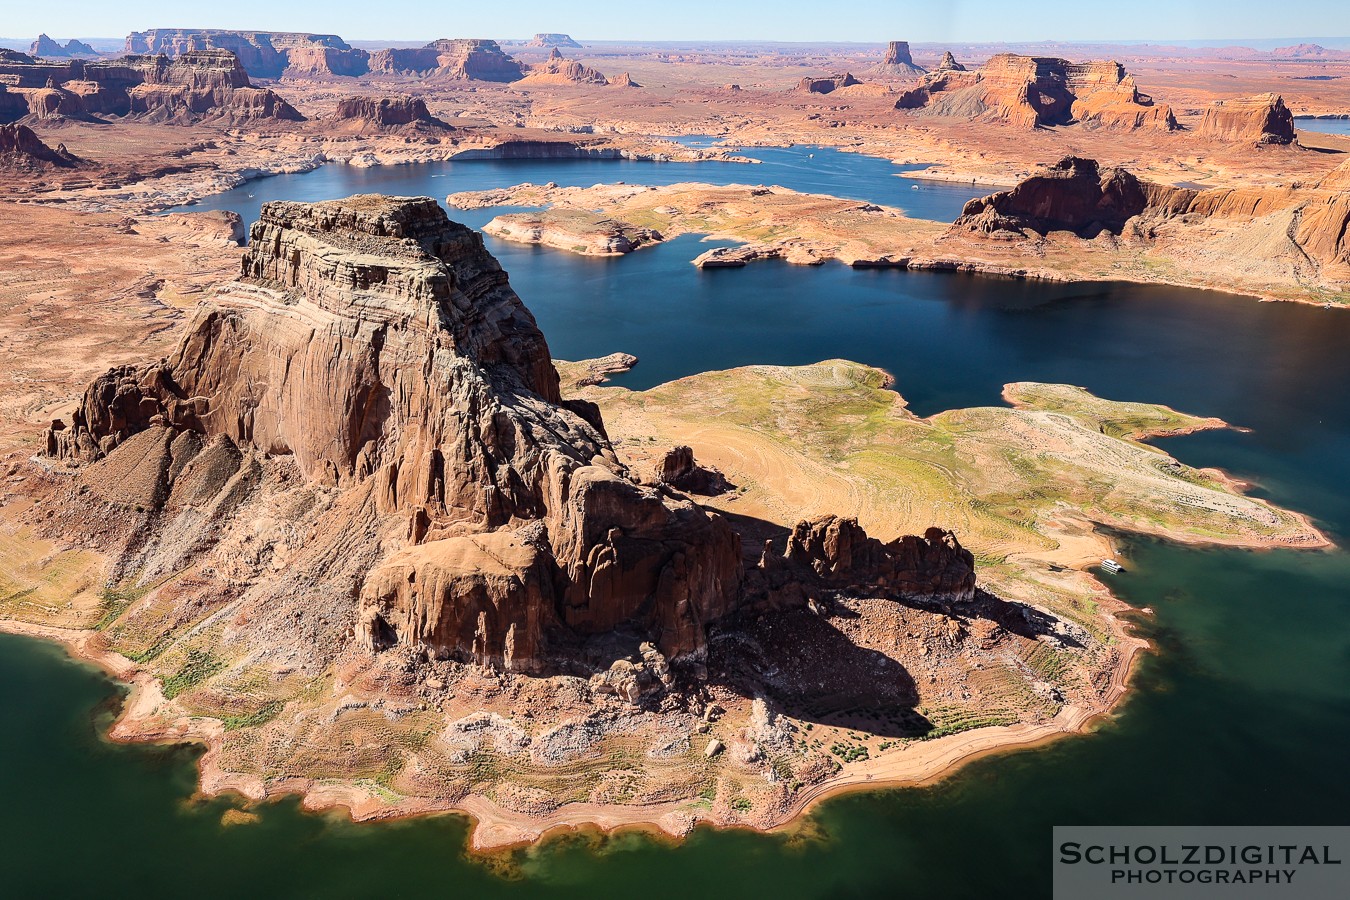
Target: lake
(1242, 716)
(1325, 126)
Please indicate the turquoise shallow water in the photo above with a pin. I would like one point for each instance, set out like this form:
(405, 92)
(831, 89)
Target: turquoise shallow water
(1242, 716)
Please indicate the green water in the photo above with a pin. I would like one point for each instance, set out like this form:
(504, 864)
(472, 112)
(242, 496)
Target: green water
(1243, 716)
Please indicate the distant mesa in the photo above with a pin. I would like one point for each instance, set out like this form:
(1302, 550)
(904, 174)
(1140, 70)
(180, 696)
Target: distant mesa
(828, 85)
(21, 148)
(557, 69)
(624, 80)
(1033, 91)
(461, 59)
(396, 112)
(263, 54)
(898, 63)
(1261, 120)
(949, 63)
(552, 39)
(1307, 51)
(197, 85)
(48, 48)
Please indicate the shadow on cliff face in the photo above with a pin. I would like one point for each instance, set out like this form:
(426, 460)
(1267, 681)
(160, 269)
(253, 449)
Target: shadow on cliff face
(836, 656)
(812, 671)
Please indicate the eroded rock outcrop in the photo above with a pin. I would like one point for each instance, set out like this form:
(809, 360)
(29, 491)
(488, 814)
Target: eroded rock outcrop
(385, 113)
(1072, 195)
(1261, 120)
(557, 69)
(46, 47)
(680, 470)
(1036, 91)
(948, 63)
(897, 63)
(1300, 233)
(828, 85)
(21, 148)
(459, 59)
(378, 348)
(835, 552)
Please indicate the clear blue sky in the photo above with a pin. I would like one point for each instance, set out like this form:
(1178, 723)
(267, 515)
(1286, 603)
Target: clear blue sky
(778, 20)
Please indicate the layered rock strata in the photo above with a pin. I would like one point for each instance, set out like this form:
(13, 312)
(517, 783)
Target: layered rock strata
(460, 60)
(1306, 228)
(263, 54)
(1261, 120)
(385, 112)
(1039, 91)
(553, 39)
(379, 346)
(372, 390)
(828, 85)
(193, 86)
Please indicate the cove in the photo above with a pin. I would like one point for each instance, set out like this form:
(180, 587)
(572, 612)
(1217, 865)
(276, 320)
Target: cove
(1242, 716)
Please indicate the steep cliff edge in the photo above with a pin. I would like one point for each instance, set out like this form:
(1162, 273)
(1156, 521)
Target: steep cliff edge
(1261, 120)
(378, 347)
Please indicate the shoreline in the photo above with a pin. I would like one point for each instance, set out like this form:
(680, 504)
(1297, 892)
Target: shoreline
(494, 828)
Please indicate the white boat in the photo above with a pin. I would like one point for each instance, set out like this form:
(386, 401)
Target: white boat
(1112, 566)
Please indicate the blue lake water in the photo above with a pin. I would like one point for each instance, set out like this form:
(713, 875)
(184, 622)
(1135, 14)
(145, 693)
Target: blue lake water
(1242, 716)
(1325, 126)
(816, 170)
